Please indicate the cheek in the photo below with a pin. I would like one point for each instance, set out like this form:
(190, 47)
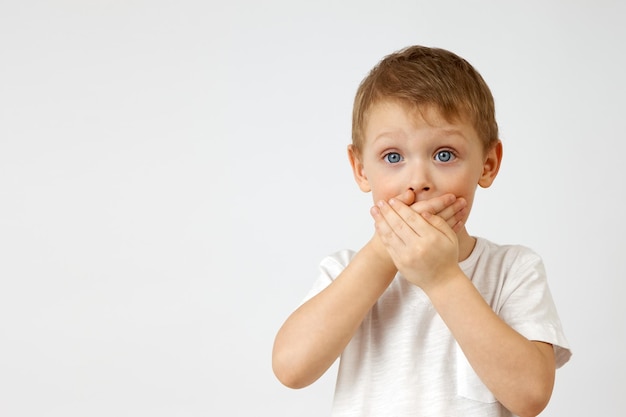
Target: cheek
(454, 184)
(384, 190)
(462, 182)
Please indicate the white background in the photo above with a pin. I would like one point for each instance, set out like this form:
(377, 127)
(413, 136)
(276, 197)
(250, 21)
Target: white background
(171, 173)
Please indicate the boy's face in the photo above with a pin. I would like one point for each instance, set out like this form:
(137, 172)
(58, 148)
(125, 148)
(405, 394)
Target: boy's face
(405, 148)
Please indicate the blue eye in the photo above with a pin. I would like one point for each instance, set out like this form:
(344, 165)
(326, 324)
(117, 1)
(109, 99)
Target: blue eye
(393, 157)
(444, 156)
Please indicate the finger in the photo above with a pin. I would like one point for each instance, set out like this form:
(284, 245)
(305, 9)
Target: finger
(406, 222)
(434, 205)
(383, 215)
(419, 225)
(407, 197)
(457, 227)
(440, 224)
(399, 218)
(454, 213)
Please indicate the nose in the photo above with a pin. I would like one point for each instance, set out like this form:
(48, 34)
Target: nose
(420, 184)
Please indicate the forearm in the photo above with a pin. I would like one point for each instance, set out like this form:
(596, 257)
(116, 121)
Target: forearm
(316, 333)
(519, 372)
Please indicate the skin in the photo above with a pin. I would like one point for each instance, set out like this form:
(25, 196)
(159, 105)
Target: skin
(422, 171)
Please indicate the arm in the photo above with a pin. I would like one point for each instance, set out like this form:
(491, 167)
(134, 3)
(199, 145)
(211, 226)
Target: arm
(314, 336)
(317, 332)
(519, 372)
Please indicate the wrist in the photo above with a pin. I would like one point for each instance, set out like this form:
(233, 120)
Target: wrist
(445, 282)
(377, 250)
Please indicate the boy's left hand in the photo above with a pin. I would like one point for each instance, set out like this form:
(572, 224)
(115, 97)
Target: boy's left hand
(422, 245)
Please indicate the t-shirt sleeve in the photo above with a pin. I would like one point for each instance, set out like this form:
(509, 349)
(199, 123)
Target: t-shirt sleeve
(529, 308)
(330, 268)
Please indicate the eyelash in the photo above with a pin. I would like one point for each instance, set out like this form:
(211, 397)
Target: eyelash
(453, 154)
(386, 157)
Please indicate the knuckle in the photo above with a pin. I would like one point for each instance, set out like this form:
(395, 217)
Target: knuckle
(411, 216)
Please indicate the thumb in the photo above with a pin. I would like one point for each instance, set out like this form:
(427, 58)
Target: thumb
(440, 224)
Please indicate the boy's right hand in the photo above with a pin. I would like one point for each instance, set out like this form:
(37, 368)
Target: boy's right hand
(447, 206)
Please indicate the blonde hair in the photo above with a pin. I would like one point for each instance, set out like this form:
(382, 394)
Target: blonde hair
(422, 76)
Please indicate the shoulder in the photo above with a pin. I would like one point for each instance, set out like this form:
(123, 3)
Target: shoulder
(497, 270)
(506, 255)
(333, 264)
(329, 268)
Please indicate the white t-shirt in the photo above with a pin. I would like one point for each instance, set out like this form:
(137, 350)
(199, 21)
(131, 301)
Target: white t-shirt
(403, 360)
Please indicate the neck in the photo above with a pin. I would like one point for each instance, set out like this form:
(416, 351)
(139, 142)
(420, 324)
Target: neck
(466, 244)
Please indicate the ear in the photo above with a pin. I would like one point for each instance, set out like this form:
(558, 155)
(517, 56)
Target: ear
(358, 169)
(491, 166)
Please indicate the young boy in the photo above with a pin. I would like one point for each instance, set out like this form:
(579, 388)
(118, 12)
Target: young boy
(428, 320)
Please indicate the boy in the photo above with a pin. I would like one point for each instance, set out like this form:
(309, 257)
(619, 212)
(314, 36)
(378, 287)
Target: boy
(428, 320)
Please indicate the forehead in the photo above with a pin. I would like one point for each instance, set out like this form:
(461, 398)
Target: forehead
(387, 116)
